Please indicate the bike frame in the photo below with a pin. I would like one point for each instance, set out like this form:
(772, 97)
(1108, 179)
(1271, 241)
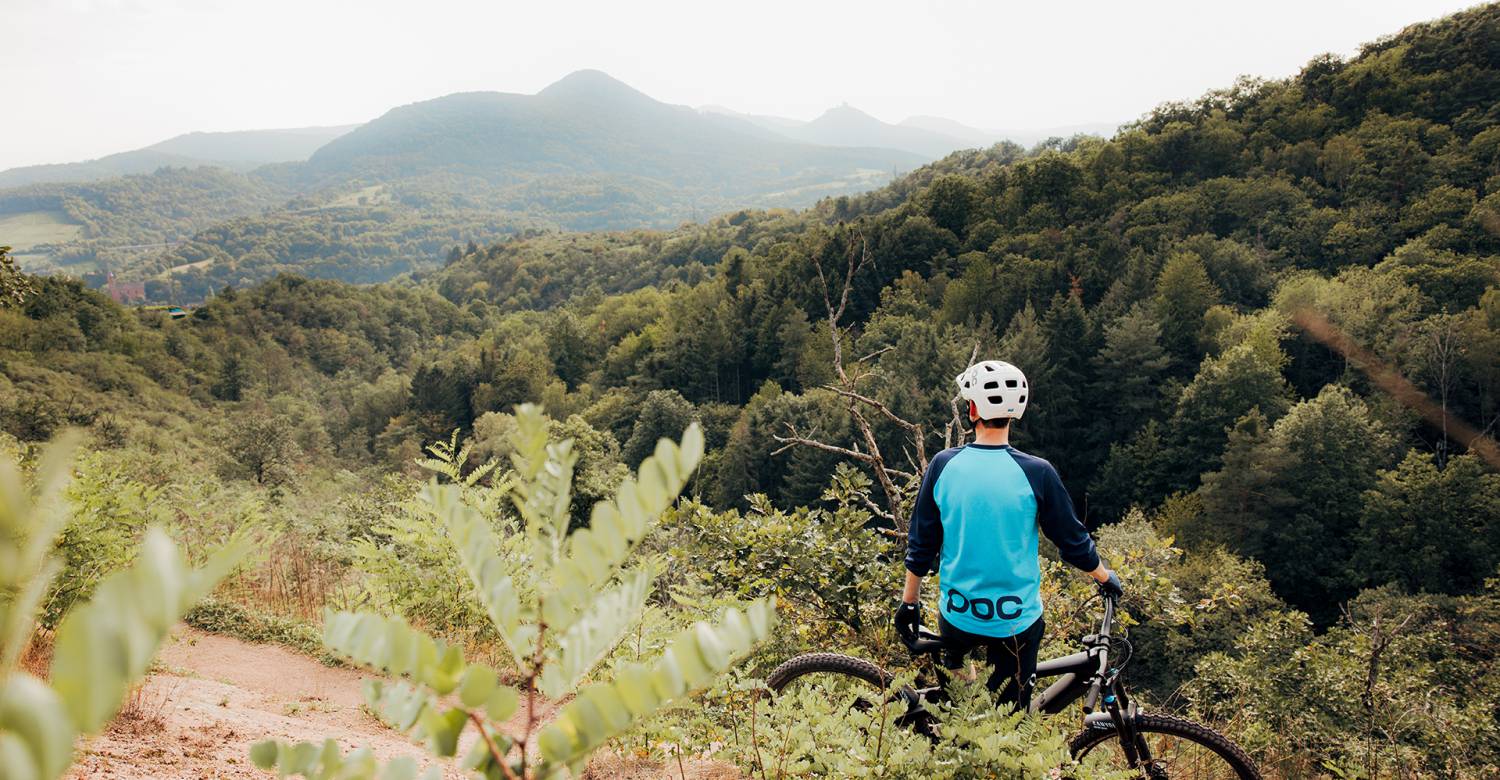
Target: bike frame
(1077, 673)
(1083, 674)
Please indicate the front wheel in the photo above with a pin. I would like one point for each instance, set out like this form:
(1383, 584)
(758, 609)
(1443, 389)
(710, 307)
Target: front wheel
(1179, 749)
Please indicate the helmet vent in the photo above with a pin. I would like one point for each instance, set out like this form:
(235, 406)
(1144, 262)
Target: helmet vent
(992, 385)
(1010, 383)
(1023, 399)
(1023, 383)
(997, 399)
(988, 367)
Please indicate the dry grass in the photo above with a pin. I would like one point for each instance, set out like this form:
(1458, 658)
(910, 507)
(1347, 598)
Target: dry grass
(145, 708)
(36, 658)
(292, 580)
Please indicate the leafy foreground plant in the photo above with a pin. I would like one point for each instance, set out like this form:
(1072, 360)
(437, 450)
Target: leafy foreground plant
(820, 730)
(103, 647)
(560, 603)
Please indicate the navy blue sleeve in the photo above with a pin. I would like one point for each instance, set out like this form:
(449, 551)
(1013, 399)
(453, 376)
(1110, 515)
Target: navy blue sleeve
(924, 540)
(1055, 514)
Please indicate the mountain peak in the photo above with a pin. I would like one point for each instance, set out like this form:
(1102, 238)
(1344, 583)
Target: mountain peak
(845, 115)
(592, 85)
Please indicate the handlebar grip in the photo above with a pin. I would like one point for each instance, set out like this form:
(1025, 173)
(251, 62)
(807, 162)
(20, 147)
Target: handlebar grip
(1088, 703)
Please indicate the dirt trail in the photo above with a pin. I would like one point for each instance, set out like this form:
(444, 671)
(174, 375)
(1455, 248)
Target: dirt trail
(215, 696)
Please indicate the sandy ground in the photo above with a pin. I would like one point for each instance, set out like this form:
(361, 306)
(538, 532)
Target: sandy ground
(215, 696)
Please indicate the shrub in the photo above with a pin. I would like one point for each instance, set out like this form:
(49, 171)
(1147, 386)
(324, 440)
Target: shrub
(560, 603)
(101, 647)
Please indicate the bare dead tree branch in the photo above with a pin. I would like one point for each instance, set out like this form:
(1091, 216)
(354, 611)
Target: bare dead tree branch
(875, 508)
(953, 433)
(846, 386)
(794, 440)
(914, 428)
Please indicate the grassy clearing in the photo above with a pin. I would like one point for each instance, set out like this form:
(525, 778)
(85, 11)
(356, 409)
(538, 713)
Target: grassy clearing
(373, 195)
(29, 228)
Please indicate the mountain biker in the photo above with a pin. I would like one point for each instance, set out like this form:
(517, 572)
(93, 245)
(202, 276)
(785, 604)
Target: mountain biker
(980, 506)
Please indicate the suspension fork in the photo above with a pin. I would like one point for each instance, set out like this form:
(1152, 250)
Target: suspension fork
(1122, 712)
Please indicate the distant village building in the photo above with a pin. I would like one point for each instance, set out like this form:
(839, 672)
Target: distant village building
(125, 292)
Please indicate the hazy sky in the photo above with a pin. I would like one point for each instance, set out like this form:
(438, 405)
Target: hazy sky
(84, 78)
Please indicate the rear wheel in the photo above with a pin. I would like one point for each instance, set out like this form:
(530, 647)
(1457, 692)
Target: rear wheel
(1180, 749)
(846, 682)
(844, 679)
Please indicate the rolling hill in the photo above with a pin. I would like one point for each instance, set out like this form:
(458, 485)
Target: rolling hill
(587, 152)
(240, 150)
(845, 125)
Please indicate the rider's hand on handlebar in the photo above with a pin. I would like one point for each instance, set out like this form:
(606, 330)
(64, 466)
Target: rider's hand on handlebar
(1112, 587)
(908, 617)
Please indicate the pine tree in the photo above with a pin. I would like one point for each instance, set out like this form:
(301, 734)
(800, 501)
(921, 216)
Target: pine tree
(1025, 345)
(663, 414)
(1184, 294)
(1138, 472)
(232, 379)
(1244, 498)
(1128, 372)
(1070, 343)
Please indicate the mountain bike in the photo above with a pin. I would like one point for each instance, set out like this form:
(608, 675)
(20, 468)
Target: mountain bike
(1157, 747)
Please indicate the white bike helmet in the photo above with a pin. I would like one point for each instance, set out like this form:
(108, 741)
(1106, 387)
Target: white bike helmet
(997, 389)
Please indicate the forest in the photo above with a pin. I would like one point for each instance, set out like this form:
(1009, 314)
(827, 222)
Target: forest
(1262, 331)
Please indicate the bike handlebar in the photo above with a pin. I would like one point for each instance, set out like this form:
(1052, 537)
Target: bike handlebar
(1106, 624)
(926, 642)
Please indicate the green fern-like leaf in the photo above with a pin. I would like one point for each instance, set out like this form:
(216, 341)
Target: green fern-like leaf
(595, 633)
(493, 582)
(105, 645)
(30, 521)
(604, 710)
(102, 647)
(594, 554)
(325, 762)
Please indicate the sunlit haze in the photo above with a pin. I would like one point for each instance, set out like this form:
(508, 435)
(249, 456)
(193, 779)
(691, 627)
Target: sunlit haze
(85, 78)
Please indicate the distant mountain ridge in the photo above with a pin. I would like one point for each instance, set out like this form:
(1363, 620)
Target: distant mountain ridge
(928, 136)
(588, 152)
(240, 150)
(586, 124)
(845, 125)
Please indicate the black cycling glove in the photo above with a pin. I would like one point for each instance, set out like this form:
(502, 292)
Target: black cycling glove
(1112, 586)
(908, 617)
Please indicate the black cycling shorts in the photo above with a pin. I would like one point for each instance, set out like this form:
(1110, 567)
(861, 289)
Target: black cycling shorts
(1012, 658)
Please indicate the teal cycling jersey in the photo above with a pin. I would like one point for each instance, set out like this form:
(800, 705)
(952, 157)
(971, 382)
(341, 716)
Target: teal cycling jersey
(978, 515)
